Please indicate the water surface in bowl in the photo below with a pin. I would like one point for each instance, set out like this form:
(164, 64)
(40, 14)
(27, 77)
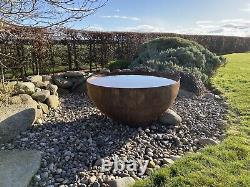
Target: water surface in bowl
(130, 81)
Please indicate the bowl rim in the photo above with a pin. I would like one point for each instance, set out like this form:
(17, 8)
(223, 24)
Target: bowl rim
(174, 77)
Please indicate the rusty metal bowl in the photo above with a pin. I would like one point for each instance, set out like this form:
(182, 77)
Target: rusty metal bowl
(135, 105)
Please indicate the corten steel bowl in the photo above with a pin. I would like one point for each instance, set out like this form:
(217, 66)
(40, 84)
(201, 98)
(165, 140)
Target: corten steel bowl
(136, 105)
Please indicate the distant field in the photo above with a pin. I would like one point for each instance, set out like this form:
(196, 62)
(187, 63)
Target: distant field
(227, 164)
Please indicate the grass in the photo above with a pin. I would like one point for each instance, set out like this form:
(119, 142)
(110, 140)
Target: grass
(226, 164)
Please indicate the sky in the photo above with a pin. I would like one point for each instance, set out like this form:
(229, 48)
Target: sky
(213, 17)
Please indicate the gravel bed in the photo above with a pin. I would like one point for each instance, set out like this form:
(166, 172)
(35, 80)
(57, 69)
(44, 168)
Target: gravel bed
(76, 138)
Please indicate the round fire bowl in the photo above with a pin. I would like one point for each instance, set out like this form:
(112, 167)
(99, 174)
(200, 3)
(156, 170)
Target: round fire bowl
(133, 98)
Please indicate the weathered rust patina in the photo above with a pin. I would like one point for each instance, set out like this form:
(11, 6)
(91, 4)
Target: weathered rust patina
(134, 106)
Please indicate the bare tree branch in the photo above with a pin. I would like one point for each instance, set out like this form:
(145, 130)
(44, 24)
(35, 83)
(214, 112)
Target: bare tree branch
(47, 13)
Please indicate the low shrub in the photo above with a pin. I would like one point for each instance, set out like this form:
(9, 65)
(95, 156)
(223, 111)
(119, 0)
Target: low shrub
(118, 64)
(178, 54)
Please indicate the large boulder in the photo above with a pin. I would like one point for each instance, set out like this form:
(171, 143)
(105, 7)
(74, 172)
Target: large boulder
(62, 82)
(23, 99)
(41, 85)
(35, 78)
(46, 78)
(52, 88)
(18, 167)
(207, 141)
(169, 117)
(14, 120)
(74, 81)
(24, 88)
(191, 83)
(44, 108)
(122, 182)
(53, 101)
(41, 96)
(74, 74)
(79, 85)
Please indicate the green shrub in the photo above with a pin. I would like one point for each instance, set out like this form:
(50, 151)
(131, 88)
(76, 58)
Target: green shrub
(176, 53)
(118, 64)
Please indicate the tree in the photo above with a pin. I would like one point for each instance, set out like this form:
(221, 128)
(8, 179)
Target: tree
(46, 13)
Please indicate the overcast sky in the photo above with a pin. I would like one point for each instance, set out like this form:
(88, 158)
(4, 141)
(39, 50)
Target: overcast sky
(218, 17)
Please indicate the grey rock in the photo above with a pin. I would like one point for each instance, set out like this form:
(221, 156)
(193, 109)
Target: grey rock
(46, 78)
(24, 88)
(53, 101)
(150, 154)
(62, 82)
(45, 175)
(41, 84)
(92, 179)
(16, 122)
(74, 74)
(23, 99)
(18, 167)
(35, 78)
(207, 141)
(208, 96)
(167, 161)
(175, 157)
(151, 164)
(218, 97)
(169, 117)
(96, 184)
(123, 182)
(44, 108)
(41, 96)
(184, 93)
(52, 88)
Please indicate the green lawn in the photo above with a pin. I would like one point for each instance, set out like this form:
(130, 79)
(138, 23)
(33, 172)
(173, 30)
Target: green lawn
(227, 164)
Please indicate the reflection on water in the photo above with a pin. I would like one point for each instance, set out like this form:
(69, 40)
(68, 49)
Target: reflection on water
(130, 81)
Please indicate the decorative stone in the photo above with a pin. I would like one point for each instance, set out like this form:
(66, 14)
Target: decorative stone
(46, 78)
(92, 179)
(74, 74)
(16, 121)
(208, 96)
(169, 117)
(151, 164)
(52, 88)
(44, 108)
(24, 88)
(41, 85)
(62, 82)
(39, 114)
(167, 161)
(53, 101)
(41, 96)
(35, 78)
(207, 141)
(18, 167)
(184, 93)
(175, 157)
(123, 182)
